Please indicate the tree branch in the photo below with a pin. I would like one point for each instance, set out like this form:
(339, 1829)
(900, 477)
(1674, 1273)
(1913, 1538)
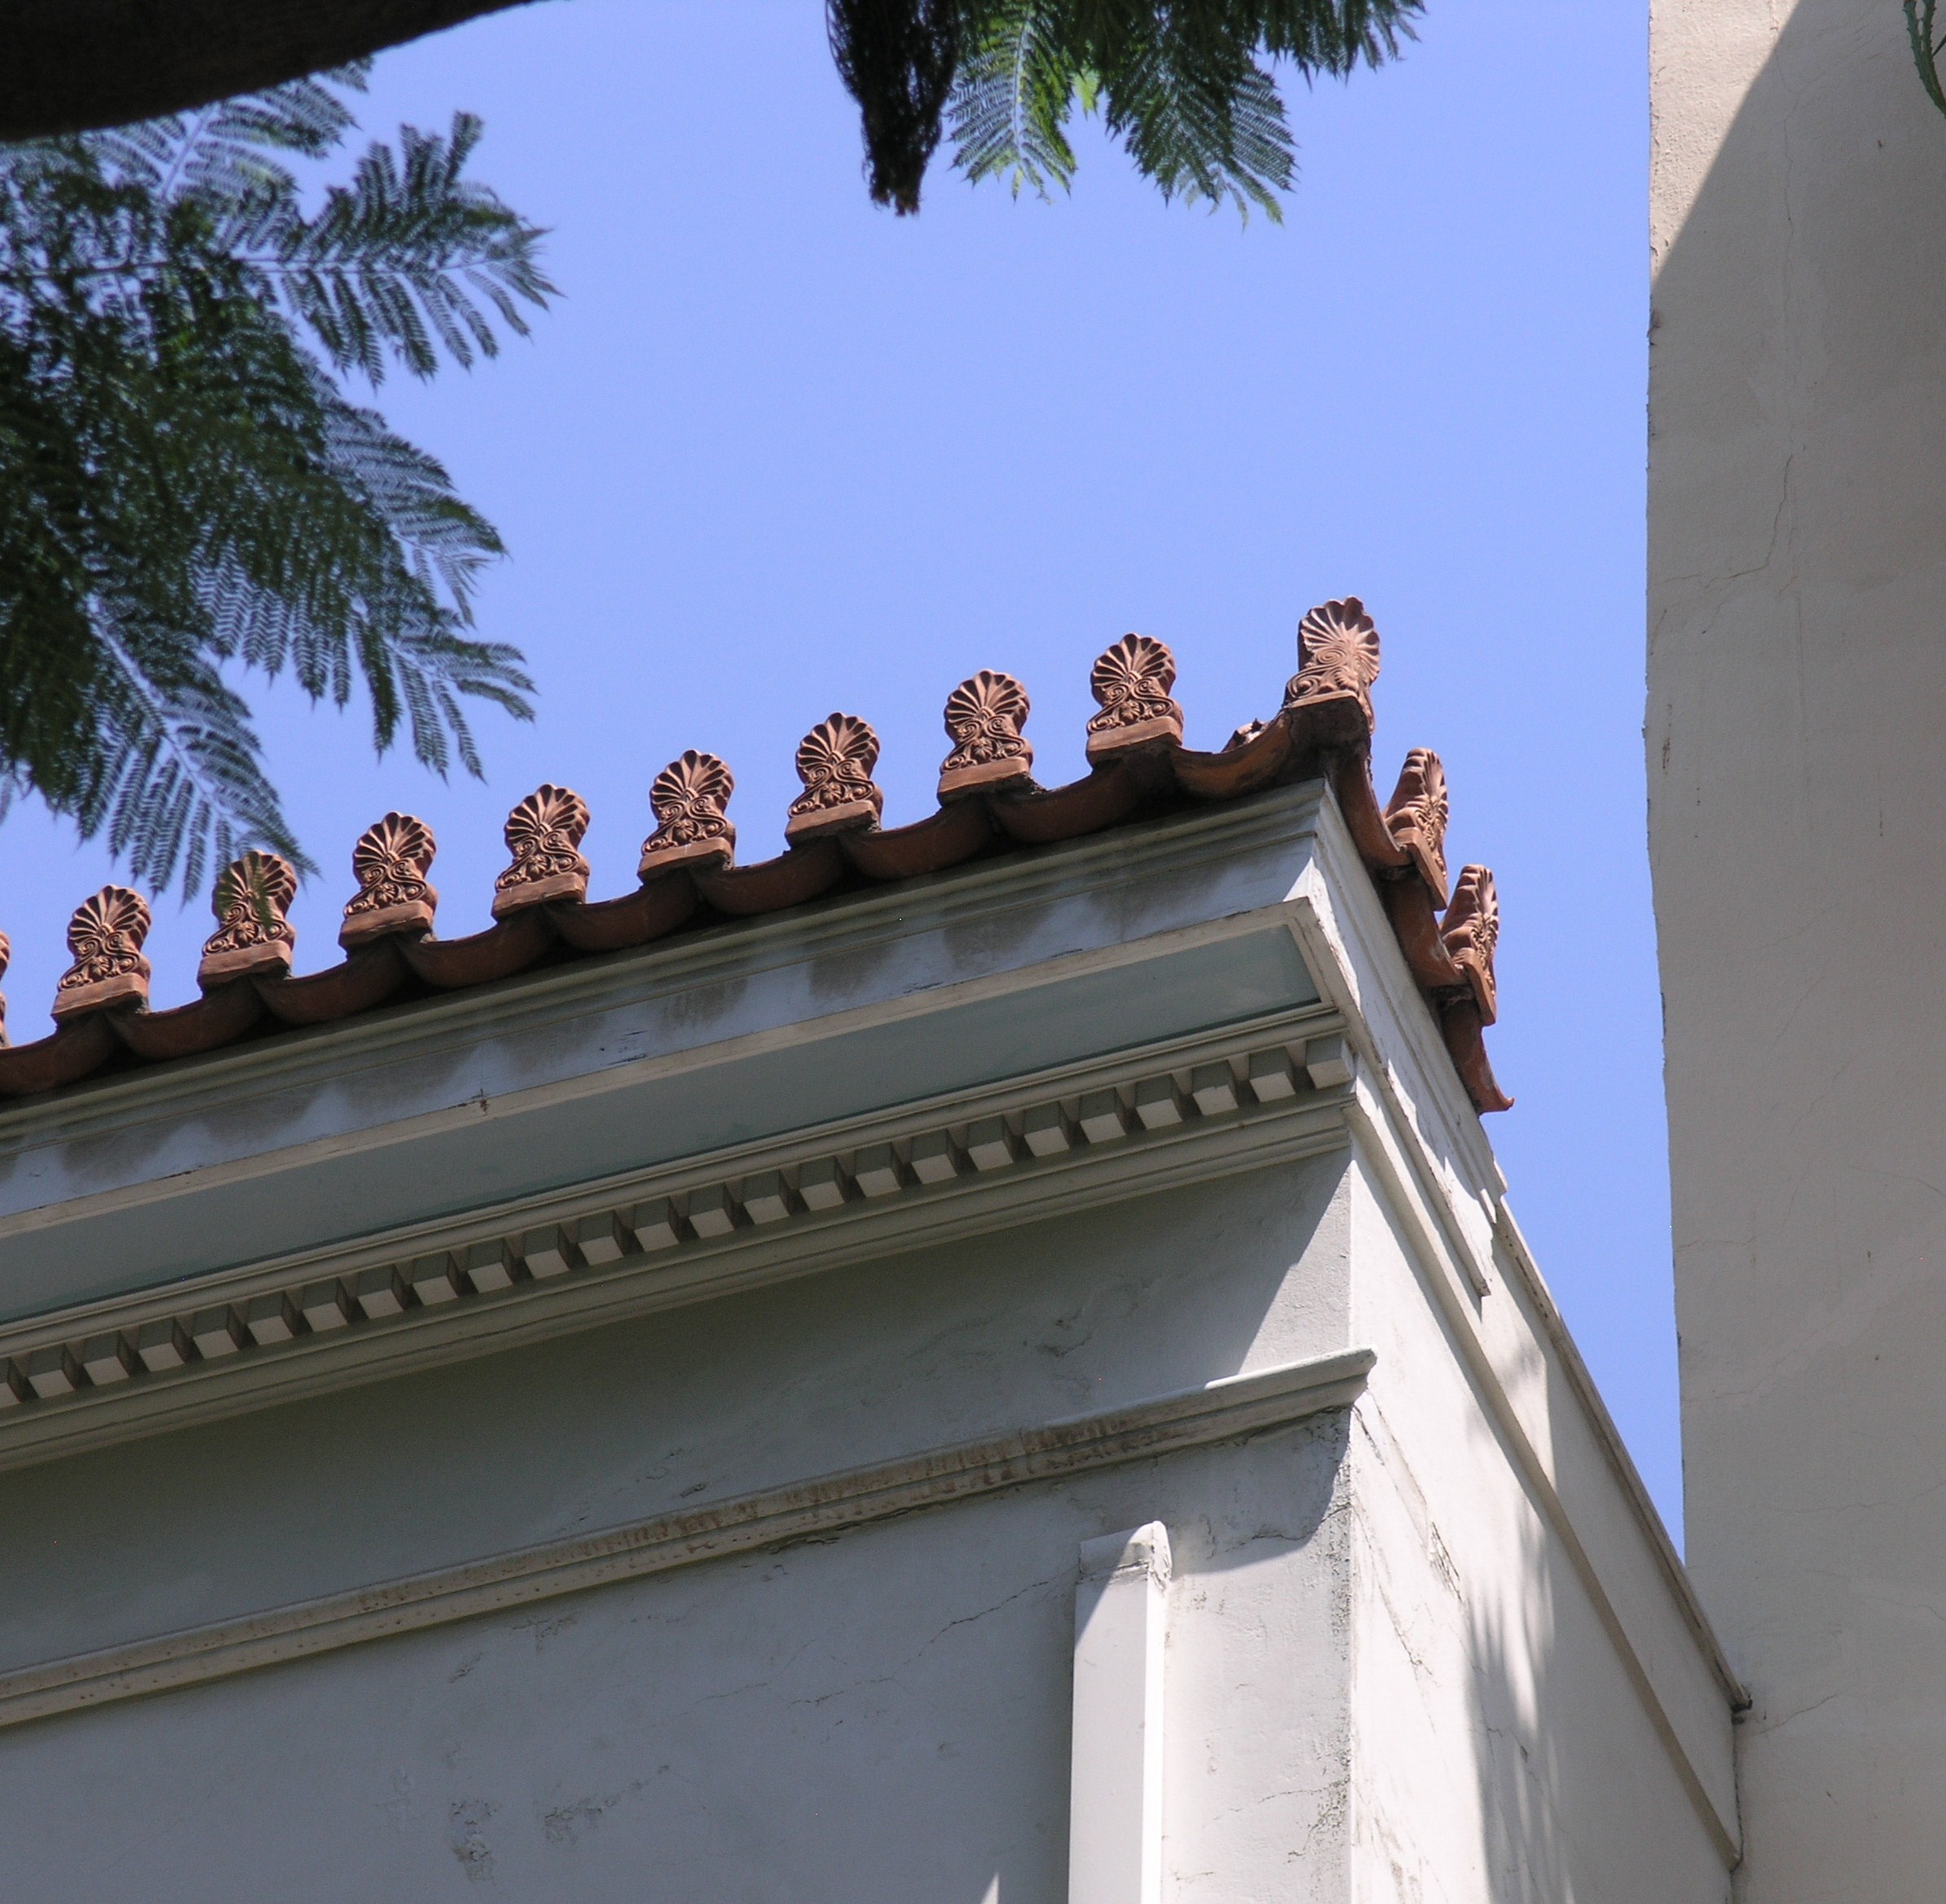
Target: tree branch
(77, 65)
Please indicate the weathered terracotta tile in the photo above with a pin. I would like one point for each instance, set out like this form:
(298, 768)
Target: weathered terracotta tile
(1108, 796)
(544, 833)
(221, 1016)
(79, 1046)
(930, 845)
(498, 952)
(1259, 754)
(105, 936)
(253, 936)
(368, 977)
(390, 862)
(804, 873)
(1459, 1025)
(609, 925)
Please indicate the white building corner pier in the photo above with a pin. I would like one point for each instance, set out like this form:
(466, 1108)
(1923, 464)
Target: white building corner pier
(1002, 1385)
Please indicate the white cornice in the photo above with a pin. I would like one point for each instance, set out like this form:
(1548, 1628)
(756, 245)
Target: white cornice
(858, 921)
(818, 1507)
(658, 1069)
(1015, 1185)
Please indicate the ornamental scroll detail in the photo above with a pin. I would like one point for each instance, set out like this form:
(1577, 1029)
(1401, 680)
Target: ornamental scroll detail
(834, 760)
(1472, 931)
(1416, 817)
(1337, 657)
(984, 716)
(390, 862)
(253, 936)
(688, 798)
(1131, 682)
(105, 936)
(544, 833)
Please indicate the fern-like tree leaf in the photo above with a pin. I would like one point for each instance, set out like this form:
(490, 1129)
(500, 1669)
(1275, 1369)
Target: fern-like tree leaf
(1190, 87)
(187, 495)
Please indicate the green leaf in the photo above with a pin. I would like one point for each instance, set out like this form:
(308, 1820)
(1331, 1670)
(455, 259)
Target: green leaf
(188, 497)
(1188, 87)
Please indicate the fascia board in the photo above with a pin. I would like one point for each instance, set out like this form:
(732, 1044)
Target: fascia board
(966, 903)
(819, 1507)
(557, 1133)
(1423, 1148)
(1199, 1149)
(1358, 965)
(1355, 960)
(448, 1068)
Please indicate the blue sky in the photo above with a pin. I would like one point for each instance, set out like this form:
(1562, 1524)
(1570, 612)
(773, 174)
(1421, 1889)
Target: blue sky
(776, 452)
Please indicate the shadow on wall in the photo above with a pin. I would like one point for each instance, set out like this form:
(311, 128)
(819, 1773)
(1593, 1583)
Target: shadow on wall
(1797, 692)
(1521, 1769)
(1577, 1799)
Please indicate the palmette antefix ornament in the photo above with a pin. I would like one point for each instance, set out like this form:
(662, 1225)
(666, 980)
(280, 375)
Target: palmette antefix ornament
(252, 939)
(834, 760)
(1471, 930)
(1416, 817)
(1131, 682)
(544, 833)
(688, 798)
(1337, 657)
(105, 937)
(390, 862)
(985, 716)
(990, 805)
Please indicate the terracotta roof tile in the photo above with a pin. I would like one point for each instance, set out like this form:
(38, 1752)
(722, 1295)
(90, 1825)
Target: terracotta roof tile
(1139, 767)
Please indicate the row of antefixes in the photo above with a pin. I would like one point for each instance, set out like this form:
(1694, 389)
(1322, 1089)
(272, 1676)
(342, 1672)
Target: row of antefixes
(989, 801)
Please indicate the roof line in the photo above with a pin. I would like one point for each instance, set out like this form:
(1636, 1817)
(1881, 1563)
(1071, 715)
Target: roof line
(988, 803)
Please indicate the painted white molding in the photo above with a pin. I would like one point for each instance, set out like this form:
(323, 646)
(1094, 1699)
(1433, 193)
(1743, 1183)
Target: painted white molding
(1382, 1147)
(426, 1033)
(818, 1507)
(1115, 1783)
(238, 1339)
(1427, 1153)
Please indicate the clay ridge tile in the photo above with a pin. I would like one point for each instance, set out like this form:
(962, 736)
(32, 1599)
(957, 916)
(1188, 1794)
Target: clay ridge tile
(988, 800)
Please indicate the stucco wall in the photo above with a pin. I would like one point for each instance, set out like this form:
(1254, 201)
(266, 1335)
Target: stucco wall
(1797, 700)
(756, 1391)
(879, 1718)
(1502, 1755)
(1385, 1678)
(883, 1718)
(1424, 1638)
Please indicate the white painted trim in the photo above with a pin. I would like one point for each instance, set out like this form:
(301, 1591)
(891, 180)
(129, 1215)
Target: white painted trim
(1379, 1146)
(424, 1028)
(658, 1068)
(816, 1508)
(1116, 1761)
(1555, 1325)
(1200, 1148)
(1355, 957)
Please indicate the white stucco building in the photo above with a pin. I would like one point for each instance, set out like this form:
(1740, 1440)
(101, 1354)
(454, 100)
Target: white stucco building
(1796, 695)
(990, 1360)
(984, 1362)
